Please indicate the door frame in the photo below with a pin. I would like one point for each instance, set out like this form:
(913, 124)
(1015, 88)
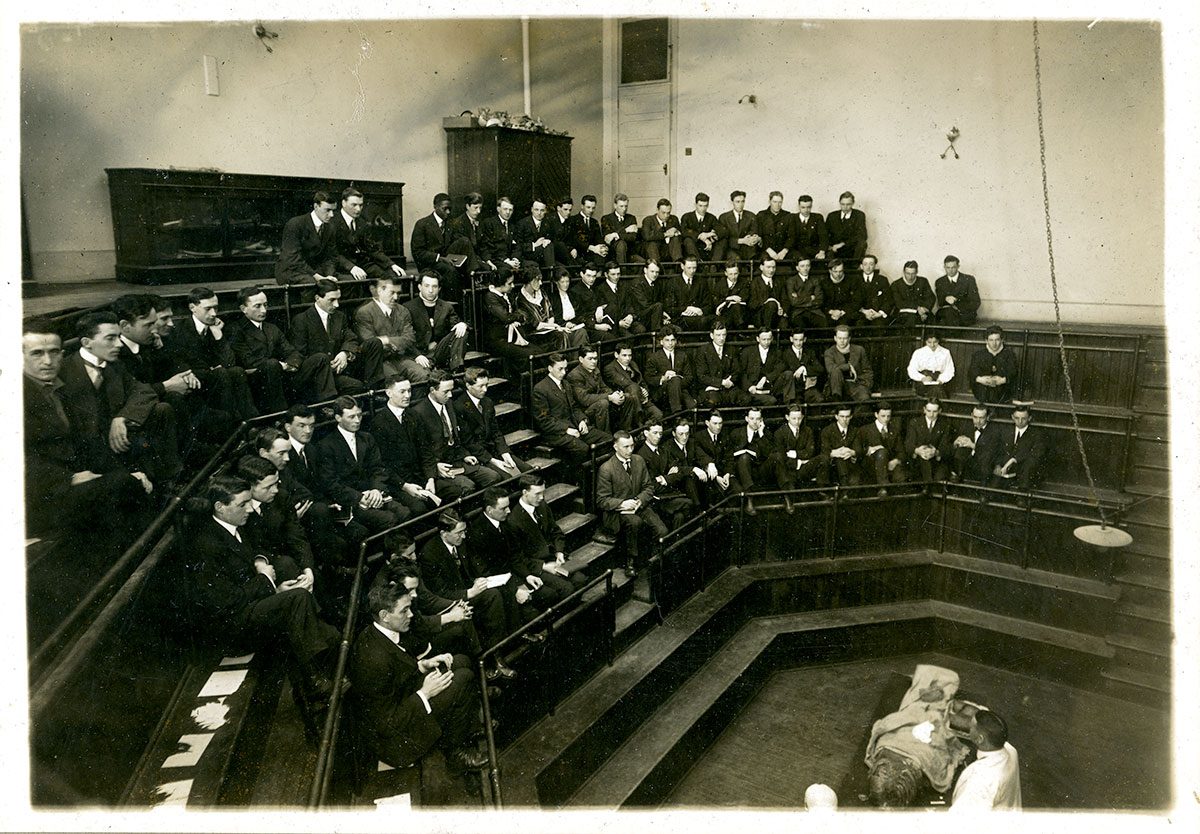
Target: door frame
(611, 68)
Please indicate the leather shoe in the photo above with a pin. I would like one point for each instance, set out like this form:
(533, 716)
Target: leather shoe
(630, 570)
(787, 505)
(467, 758)
(955, 477)
(503, 670)
(495, 726)
(495, 693)
(750, 508)
(604, 538)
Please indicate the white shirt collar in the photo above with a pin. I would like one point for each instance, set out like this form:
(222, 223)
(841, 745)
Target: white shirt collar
(317, 222)
(233, 531)
(296, 444)
(880, 426)
(349, 436)
(256, 505)
(478, 403)
(321, 314)
(386, 308)
(199, 325)
(399, 412)
(90, 358)
(531, 510)
(394, 636)
(134, 347)
(349, 220)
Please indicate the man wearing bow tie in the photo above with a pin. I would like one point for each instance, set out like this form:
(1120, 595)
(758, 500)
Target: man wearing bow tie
(976, 449)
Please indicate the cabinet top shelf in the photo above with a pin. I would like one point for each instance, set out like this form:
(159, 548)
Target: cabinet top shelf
(510, 130)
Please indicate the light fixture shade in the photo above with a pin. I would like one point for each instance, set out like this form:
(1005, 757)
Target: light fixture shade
(1101, 535)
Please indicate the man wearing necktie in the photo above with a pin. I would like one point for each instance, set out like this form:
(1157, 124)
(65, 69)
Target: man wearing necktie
(669, 374)
(739, 231)
(358, 254)
(496, 242)
(976, 448)
(1024, 454)
(454, 470)
(661, 234)
(117, 417)
(752, 455)
(847, 230)
(584, 229)
(927, 443)
(308, 251)
(624, 492)
(881, 450)
(65, 485)
(430, 245)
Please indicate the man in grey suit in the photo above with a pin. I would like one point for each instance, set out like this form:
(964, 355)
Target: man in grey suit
(384, 321)
(624, 490)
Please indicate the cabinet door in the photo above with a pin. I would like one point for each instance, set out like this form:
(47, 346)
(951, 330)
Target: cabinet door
(514, 159)
(185, 224)
(256, 221)
(381, 217)
(552, 167)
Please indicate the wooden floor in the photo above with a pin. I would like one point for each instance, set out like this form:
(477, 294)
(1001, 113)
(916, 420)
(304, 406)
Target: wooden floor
(1079, 750)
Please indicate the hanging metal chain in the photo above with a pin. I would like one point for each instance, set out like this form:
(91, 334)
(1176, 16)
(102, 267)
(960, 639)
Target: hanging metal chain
(1062, 345)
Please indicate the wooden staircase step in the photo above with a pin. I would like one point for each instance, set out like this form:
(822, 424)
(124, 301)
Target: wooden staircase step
(1156, 426)
(505, 408)
(1136, 677)
(1145, 580)
(514, 438)
(1140, 643)
(574, 521)
(556, 491)
(587, 554)
(474, 356)
(1137, 686)
(540, 462)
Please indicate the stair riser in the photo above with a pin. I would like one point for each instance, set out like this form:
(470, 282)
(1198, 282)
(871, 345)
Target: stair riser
(1145, 661)
(1144, 476)
(1150, 629)
(1144, 563)
(1153, 426)
(1160, 600)
(1137, 694)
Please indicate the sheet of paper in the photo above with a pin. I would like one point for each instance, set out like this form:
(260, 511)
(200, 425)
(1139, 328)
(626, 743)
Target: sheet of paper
(498, 580)
(225, 682)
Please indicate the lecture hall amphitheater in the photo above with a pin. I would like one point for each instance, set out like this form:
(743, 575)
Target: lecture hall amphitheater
(856, 486)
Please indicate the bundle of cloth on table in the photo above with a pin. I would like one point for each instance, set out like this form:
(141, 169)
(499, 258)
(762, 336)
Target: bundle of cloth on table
(919, 746)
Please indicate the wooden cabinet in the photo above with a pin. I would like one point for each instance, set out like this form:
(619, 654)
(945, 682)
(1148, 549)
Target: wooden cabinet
(521, 164)
(174, 226)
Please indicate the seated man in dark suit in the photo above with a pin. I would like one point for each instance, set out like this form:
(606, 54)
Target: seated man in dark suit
(801, 374)
(847, 229)
(716, 370)
(497, 240)
(811, 240)
(395, 431)
(838, 448)
(662, 239)
(796, 460)
(766, 306)
(623, 374)
(479, 430)
(453, 468)
(585, 233)
(928, 443)
(66, 485)
(323, 331)
(620, 229)
(875, 307)
(358, 254)
(541, 545)
(776, 228)
(848, 369)
(840, 295)
(687, 300)
(272, 527)
(200, 345)
(713, 458)
(993, 370)
(406, 706)
(671, 501)
(752, 455)
(535, 239)
(612, 301)
(260, 348)
(351, 473)
(308, 251)
(805, 297)
(879, 446)
(1022, 459)
(585, 300)
(975, 450)
(330, 540)
(731, 294)
(117, 417)
(433, 245)
(384, 327)
(559, 418)
(701, 230)
(605, 407)
(761, 368)
(246, 600)
(739, 232)
(643, 300)
(624, 492)
(441, 338)
(566, 251)
(455, 571)
(957, 296)
(912, 298)
(464, 229)
(669, 373)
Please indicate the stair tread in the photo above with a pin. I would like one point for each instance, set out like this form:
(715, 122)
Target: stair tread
(541, 462)
(573, 521)
(586, 554)
(559, 490)
(1144, 612)
(519, 436)
(473, 355)
(503, 408)
(630, 613)
(1145, 580)
(1137, 642)
(1137, 677)
(494, 381)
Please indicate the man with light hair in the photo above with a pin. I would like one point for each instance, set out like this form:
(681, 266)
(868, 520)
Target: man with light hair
(818, 797)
